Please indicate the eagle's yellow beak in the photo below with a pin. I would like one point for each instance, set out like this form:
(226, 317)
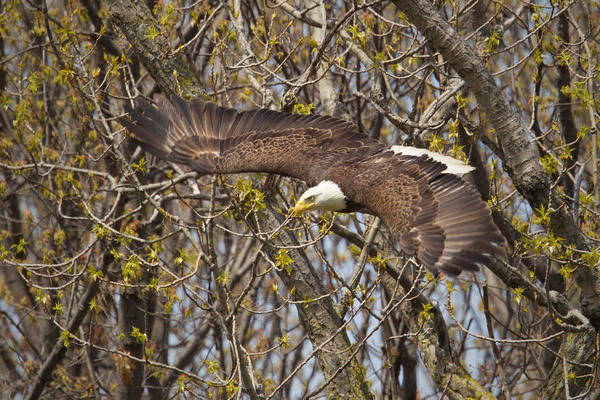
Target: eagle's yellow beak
(302, 206)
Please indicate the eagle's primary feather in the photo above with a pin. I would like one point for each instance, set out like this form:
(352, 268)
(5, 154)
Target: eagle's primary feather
(435, 215)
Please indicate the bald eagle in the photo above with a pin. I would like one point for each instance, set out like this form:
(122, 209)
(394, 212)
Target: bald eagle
(432, 212)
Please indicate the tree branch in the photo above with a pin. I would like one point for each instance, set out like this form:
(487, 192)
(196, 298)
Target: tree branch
(520, 157)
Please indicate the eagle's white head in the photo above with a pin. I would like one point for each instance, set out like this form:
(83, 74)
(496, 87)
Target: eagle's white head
(326, 196)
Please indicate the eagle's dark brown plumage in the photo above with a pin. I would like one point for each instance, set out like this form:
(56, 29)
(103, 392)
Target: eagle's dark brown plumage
(437, 216)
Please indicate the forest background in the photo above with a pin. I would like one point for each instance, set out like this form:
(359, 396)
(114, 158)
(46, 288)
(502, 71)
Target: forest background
(122, 276)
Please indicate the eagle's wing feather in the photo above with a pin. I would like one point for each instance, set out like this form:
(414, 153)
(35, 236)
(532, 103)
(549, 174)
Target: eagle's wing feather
(213, 139)
(437, 216)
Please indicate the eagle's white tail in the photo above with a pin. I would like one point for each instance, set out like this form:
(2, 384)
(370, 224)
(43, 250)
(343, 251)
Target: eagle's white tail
(453, 166)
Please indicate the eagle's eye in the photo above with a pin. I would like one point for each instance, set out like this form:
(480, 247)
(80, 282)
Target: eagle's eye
(310, 198)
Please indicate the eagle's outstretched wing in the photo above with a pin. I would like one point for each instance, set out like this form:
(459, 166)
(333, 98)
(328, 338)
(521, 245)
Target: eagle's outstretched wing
(218, 140)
